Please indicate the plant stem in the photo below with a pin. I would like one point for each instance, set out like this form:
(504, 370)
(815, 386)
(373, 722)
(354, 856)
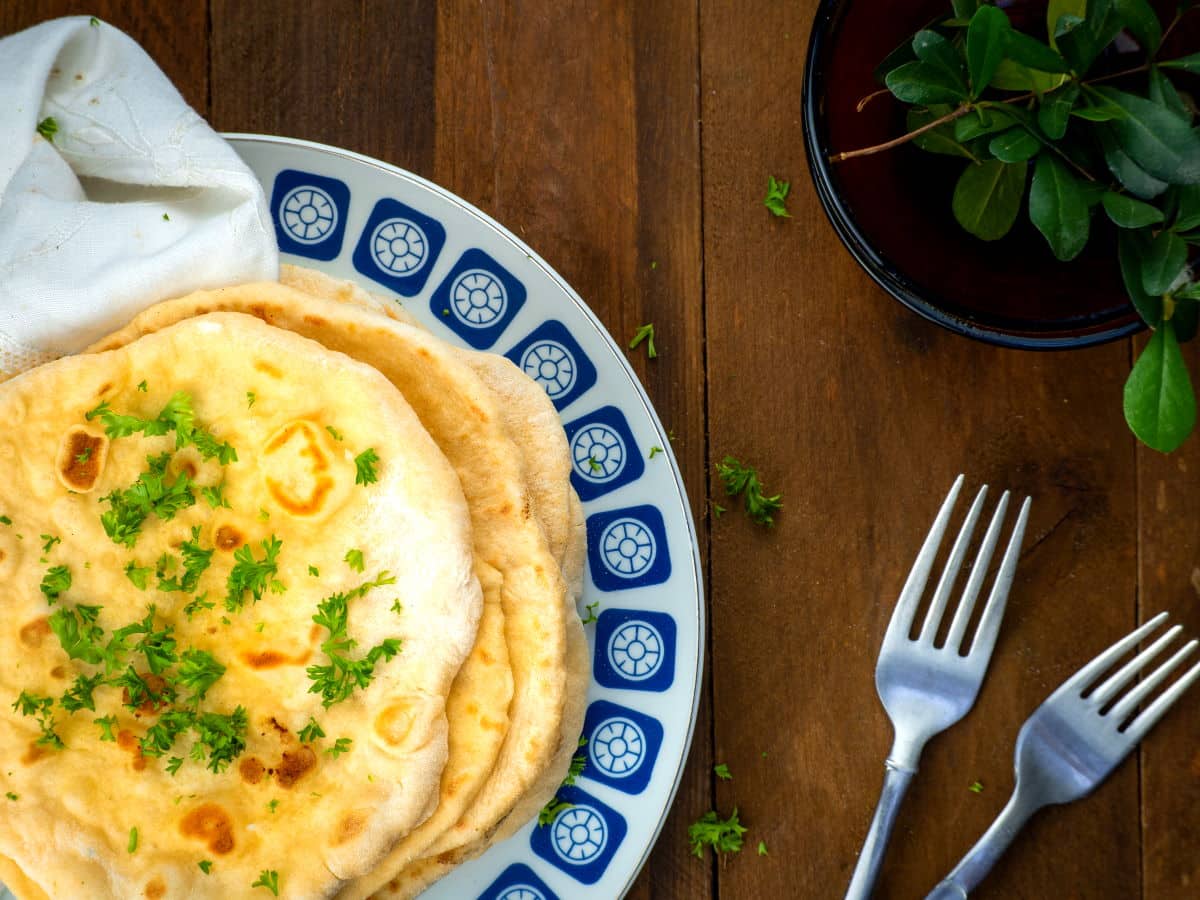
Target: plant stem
(961, 111)
(904, 138)
(862, 104)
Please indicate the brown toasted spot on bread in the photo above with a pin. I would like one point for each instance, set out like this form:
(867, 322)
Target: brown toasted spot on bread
(209, 823)
(80, 459)
(34, 753)
(127, 740)
(251, 769)
(156, 890)
(228, 538)
(294, 765)
(35, 631)
(350, 827)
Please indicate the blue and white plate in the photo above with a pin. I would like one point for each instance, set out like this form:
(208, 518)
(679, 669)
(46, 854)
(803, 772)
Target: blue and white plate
(472, 282)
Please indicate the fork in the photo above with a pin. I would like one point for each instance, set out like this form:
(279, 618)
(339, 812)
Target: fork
(926, 688)
(1074, 740)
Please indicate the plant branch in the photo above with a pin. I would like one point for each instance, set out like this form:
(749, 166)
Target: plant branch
(904, 138)
(862, 104)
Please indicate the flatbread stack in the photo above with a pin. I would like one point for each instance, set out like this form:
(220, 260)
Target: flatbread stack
(290, 603)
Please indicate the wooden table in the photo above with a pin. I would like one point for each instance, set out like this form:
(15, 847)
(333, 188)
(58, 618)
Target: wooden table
(630, 144)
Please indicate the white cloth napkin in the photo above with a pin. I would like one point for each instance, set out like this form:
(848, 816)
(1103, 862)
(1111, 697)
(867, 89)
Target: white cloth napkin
(133, 200)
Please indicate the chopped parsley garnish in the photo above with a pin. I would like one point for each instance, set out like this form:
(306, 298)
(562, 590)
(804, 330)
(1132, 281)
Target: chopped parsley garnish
(645, 333)
(84, 455)
(42, 709)
(311, 732)
(141, 691)
(337, 435)
(594, 464)
(550, 811)
(80, 636)
(142, 386)
(79, 695)
(263, 515)
(723, 835)
(314, 571)
(205, 866)
(398, 607)
(976, 788)
(174, 764)
(198, 604)
(166, 218)
(354, 559)
(198, 671)
(56, 581)
(223, 737)
(48, 128)
(133, 839)
(578, 764)
(161, 736)
(250, 398)
(253, 575)
(11, 796)
(721, 770)
(150, 495)
(272, 806)
(139, 575)
(157, 646)
(269, 879)
(655, 450)
(107, 724)
(364, 465)
(49, 541)
(337, 681)
(776, 199)
(215, 496)
(178, 416)
(591, 613)
(195, 561)
(762, 848)
(5, 520)
(740, 479)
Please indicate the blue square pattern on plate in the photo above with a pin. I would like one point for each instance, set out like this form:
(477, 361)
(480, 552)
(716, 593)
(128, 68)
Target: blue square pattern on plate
(604, 455)
(635, 650)
(310, 213)
(554, 359)
(478, 299)
(622, 746)
(518, 882)
(399, 246)
(582, 838)
(627, 548)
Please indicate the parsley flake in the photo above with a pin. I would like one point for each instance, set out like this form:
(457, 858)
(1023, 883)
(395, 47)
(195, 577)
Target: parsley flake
(107, 724)
(272, 806)
(205, 866)
(195, 562)
(591, 613)
(337, 681)
(215, 496)
(55, 582)
(49, 541)
(364, 465)
(311, 732)
(5, 520)
(776, 199)
(133, 839)
(742, 479)
(337, 435)
(762, 848)
(253, 575)
(550, 811)
(42, 709)
(139, 575)
(976, 788)
(142, 386)
(79, 695)
(723, 835)
(269, 879)
(721, 770)
(250, 398)
(354, 559)
(11, 796)
(48, 128)
(314, 571)
(340, 746)
(644, 333)
(655, 450)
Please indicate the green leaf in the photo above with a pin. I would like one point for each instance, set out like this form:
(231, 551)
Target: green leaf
(987, 37)
(1142, 23)
(1129, 213)
(1189, 292)
(936, 51)
(1187, 214)
(1163, 92)
(1160, 406)
(1156, 139)
(964, 9)
(1014, 145)
(1059, 8)
(1166, 256)
(1186, 319)
(1033, 53)
(936, 140)
(1099, 112)
(1187, 63)
(987, 197)
(1131, 250)
(983, 121)
(1133, 177)
(1083, 41)
(1058, 208)
(921, 82)
(1055, 110)
(894, 60)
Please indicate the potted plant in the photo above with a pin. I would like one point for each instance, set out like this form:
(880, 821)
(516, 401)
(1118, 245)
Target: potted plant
(1072, 128)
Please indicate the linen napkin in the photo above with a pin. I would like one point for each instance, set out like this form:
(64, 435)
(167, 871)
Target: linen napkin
(114, 193)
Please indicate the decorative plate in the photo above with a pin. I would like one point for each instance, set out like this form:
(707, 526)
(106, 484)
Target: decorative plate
(474, 283)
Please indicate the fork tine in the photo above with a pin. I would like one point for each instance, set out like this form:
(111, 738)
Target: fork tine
(1127, 704)
(1149, 717)
(983, 559)
(1085, 676)
(945, 585)
(989, 622)
(1129, 671)
(914, 586)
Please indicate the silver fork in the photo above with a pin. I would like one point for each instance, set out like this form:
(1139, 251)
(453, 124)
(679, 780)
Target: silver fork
(1074, 740)
(924, 688)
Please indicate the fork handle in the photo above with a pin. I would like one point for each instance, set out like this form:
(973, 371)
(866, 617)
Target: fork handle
(870, 860)
(973, 867)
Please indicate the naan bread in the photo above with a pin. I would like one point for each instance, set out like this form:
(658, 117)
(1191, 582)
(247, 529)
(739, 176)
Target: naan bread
(314, 818)
(461, 414)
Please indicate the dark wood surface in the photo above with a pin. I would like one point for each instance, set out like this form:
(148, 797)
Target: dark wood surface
(630, 144)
